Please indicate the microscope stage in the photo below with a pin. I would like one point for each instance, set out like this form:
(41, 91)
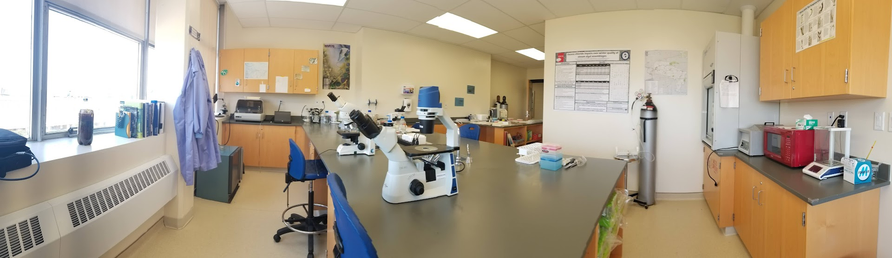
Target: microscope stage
(428, 149)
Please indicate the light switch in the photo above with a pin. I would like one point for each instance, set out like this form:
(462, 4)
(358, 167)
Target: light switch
(879, 121)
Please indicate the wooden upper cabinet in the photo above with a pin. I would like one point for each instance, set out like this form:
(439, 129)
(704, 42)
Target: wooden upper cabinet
(260, 55)
(233, 62)
(852, 64)
(306, 71)
(281, 64)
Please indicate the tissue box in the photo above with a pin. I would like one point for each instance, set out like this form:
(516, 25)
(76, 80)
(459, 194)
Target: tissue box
(810, 124)
(857, 170)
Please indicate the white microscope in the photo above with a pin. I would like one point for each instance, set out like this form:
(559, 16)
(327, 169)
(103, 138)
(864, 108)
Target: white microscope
(416, 172)
(359, 144)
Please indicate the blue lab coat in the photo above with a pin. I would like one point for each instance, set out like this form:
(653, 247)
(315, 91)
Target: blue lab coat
(194, 121)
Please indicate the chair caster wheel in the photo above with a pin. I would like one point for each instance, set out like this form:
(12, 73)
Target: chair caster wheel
(277, 238)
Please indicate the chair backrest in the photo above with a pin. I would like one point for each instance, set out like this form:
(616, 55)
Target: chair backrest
(470, 131)
(351, 235)
(416, 125)
(296, 163)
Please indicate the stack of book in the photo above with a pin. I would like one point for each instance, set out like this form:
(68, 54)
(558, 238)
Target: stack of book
(140, 119)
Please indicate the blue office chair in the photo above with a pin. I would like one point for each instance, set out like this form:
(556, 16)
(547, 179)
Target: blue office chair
(303, 170)
(416, 125)
(351, 239)
(470, 131)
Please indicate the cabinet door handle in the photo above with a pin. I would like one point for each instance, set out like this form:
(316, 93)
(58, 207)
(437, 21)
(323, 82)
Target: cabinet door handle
(785, 75)
(792, 76)
(753, 193)
(760, 197)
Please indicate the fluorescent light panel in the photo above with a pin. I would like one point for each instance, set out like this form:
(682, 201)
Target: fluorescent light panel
(326, 2)
(532, 53)
(461, 25)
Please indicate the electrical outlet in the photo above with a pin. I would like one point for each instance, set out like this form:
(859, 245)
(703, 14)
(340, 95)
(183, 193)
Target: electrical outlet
(879, 121)
(830, 117)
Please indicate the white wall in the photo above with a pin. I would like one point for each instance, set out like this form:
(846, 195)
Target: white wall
(509, 81)
(861, 121)
(535, 73)
(679, 166)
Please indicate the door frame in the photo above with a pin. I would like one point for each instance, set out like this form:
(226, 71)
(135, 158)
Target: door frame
(527, 106)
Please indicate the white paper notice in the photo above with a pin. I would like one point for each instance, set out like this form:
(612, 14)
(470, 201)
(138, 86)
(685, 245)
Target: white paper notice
(668, 70)
(815, 23)
(281, 84)
(262, 88)
(592, 80)
(257, 70)
(730, 94)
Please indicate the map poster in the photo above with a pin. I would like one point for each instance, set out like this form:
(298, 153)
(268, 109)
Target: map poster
(592, 80)
(666, 72)
(815, 23)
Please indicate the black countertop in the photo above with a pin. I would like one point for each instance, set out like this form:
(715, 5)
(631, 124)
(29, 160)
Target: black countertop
(268, 120)
(503, 208)
(809, 189)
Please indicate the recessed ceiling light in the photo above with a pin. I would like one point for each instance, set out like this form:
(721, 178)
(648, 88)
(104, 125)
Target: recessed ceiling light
(461, 25)
(327, 2)
(532, 53)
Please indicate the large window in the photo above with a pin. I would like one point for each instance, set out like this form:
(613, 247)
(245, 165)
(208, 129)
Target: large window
(88, 67)
(15, 90)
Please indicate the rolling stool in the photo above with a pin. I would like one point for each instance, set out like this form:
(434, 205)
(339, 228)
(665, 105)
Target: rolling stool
(303, 170)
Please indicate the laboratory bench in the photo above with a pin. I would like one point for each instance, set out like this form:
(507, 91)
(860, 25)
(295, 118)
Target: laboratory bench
(778, 211)
(503, 208)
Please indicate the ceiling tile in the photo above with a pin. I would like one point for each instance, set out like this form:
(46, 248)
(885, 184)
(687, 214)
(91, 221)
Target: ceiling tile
(564, 8)
(525, 11)
(408, 9)
(486, 15)
(236, 1)
(249, 9)
(712, 6)
(254, 22)
(661, 4)
(300, 23)
(613, 5)
(434, 32)
(539, 27)
(445, 5)
(528, 36)
(486, 47)
(500, 39)
(304, 11)
(346, 27)
(376, 20)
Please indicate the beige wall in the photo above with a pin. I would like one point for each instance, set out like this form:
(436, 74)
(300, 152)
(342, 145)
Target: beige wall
(509, 81)
(392, 59)
(597, 134)
(535, 73)
(860, 119)
(382, 62)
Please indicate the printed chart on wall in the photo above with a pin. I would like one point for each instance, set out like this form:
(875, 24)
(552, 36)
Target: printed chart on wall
(592, 80)
(666, 72)
(815, 23)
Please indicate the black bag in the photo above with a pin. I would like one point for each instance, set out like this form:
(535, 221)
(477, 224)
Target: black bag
(13, 152)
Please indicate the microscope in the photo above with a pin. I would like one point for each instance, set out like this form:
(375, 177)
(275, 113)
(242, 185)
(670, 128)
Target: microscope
(358, 144)
(416, 172)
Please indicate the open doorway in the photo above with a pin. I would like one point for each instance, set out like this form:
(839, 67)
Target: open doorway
(535, 98)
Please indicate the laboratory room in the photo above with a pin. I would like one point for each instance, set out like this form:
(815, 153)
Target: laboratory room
(445, 128)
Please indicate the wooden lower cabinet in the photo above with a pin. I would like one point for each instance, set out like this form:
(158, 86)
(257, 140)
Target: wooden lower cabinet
(772, 222)
(266, 145)
(719, 194)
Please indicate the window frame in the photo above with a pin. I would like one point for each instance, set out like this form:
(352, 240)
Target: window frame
(40, 30)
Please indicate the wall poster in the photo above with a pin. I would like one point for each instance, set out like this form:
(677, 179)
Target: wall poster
(592, 80)
(815, 23)
(336, 67)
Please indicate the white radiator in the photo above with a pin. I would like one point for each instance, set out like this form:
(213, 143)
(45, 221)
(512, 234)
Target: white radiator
(90, 221)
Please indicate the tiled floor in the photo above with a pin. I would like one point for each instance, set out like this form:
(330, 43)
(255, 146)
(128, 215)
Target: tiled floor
(245, 228)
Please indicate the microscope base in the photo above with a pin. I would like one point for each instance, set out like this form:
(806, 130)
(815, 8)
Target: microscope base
(353, 149)
(397, 184)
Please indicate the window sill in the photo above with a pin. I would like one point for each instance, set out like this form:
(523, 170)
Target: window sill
(61, 148)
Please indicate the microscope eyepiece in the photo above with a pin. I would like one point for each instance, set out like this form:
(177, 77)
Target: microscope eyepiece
(365, 124)
(332, 97)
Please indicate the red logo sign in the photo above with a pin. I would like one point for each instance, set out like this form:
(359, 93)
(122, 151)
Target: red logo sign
(560, 58)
